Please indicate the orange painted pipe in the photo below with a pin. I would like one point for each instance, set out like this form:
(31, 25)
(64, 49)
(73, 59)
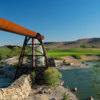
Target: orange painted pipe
(8, 26)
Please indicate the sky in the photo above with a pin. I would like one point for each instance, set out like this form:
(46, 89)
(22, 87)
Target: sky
(57, 20)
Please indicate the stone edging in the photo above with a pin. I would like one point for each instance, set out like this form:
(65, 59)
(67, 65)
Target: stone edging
(18, 90)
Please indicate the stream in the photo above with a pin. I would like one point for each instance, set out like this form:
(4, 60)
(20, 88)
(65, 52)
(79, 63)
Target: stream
(86, 80)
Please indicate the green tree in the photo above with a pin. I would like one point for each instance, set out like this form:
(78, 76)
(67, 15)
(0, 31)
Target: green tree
(83, 46)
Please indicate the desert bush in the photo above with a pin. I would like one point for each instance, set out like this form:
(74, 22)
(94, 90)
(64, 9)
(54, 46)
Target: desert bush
(29, 61)
(2, 62)
(77, 56)
(83, 62)
(83, 46)
(52, 76)
(33, 77)
(93, 46)
(65, 96)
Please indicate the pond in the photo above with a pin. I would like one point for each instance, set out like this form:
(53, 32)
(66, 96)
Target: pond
(5, 82)
(86, 80)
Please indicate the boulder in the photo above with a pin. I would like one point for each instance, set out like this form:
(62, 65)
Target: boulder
(66, 86)
(75, 89)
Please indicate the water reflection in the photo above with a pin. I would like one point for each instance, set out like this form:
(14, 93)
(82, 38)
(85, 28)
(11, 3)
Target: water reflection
(86, 80)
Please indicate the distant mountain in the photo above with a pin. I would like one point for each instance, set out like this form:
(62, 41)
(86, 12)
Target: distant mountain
(66, 45)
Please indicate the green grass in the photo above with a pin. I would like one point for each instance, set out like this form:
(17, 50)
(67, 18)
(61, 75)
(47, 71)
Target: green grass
(65, 96)
(51, 52)
(78, 52)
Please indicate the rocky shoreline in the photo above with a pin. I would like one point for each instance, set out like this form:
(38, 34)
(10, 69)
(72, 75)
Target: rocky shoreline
(47, 93)
(82, 66)
(40, 92)
(62, 65)
(75, 61)
(22, 89)
(70, 62)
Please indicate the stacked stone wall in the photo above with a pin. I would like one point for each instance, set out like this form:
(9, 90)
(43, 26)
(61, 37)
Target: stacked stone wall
(18, 90)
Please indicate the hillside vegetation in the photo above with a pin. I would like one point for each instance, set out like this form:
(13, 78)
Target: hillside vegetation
(58, 49)
(6, 52)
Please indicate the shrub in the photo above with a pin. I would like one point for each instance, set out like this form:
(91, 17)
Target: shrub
(83, 62)
(93, 46)
(83, 46)
(77, 56)
(29, 61)
(33, 77)
(52, 76)
(2, 62)
(65, 96)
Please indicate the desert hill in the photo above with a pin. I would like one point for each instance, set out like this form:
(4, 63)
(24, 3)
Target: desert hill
(74, 44)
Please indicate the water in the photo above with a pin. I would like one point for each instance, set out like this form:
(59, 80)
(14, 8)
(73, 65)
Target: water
(5, 82)
(86, 80)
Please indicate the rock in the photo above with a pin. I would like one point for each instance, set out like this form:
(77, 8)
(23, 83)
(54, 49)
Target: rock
(44, 97)
(66, 86)
(70, 64)
(64, 61)
(45, 90)
(87, 64)
(90, 98)
(0, 95)
(75, 89)
(54, 98)
(40, 97)
(14, 96)
(61, 82)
